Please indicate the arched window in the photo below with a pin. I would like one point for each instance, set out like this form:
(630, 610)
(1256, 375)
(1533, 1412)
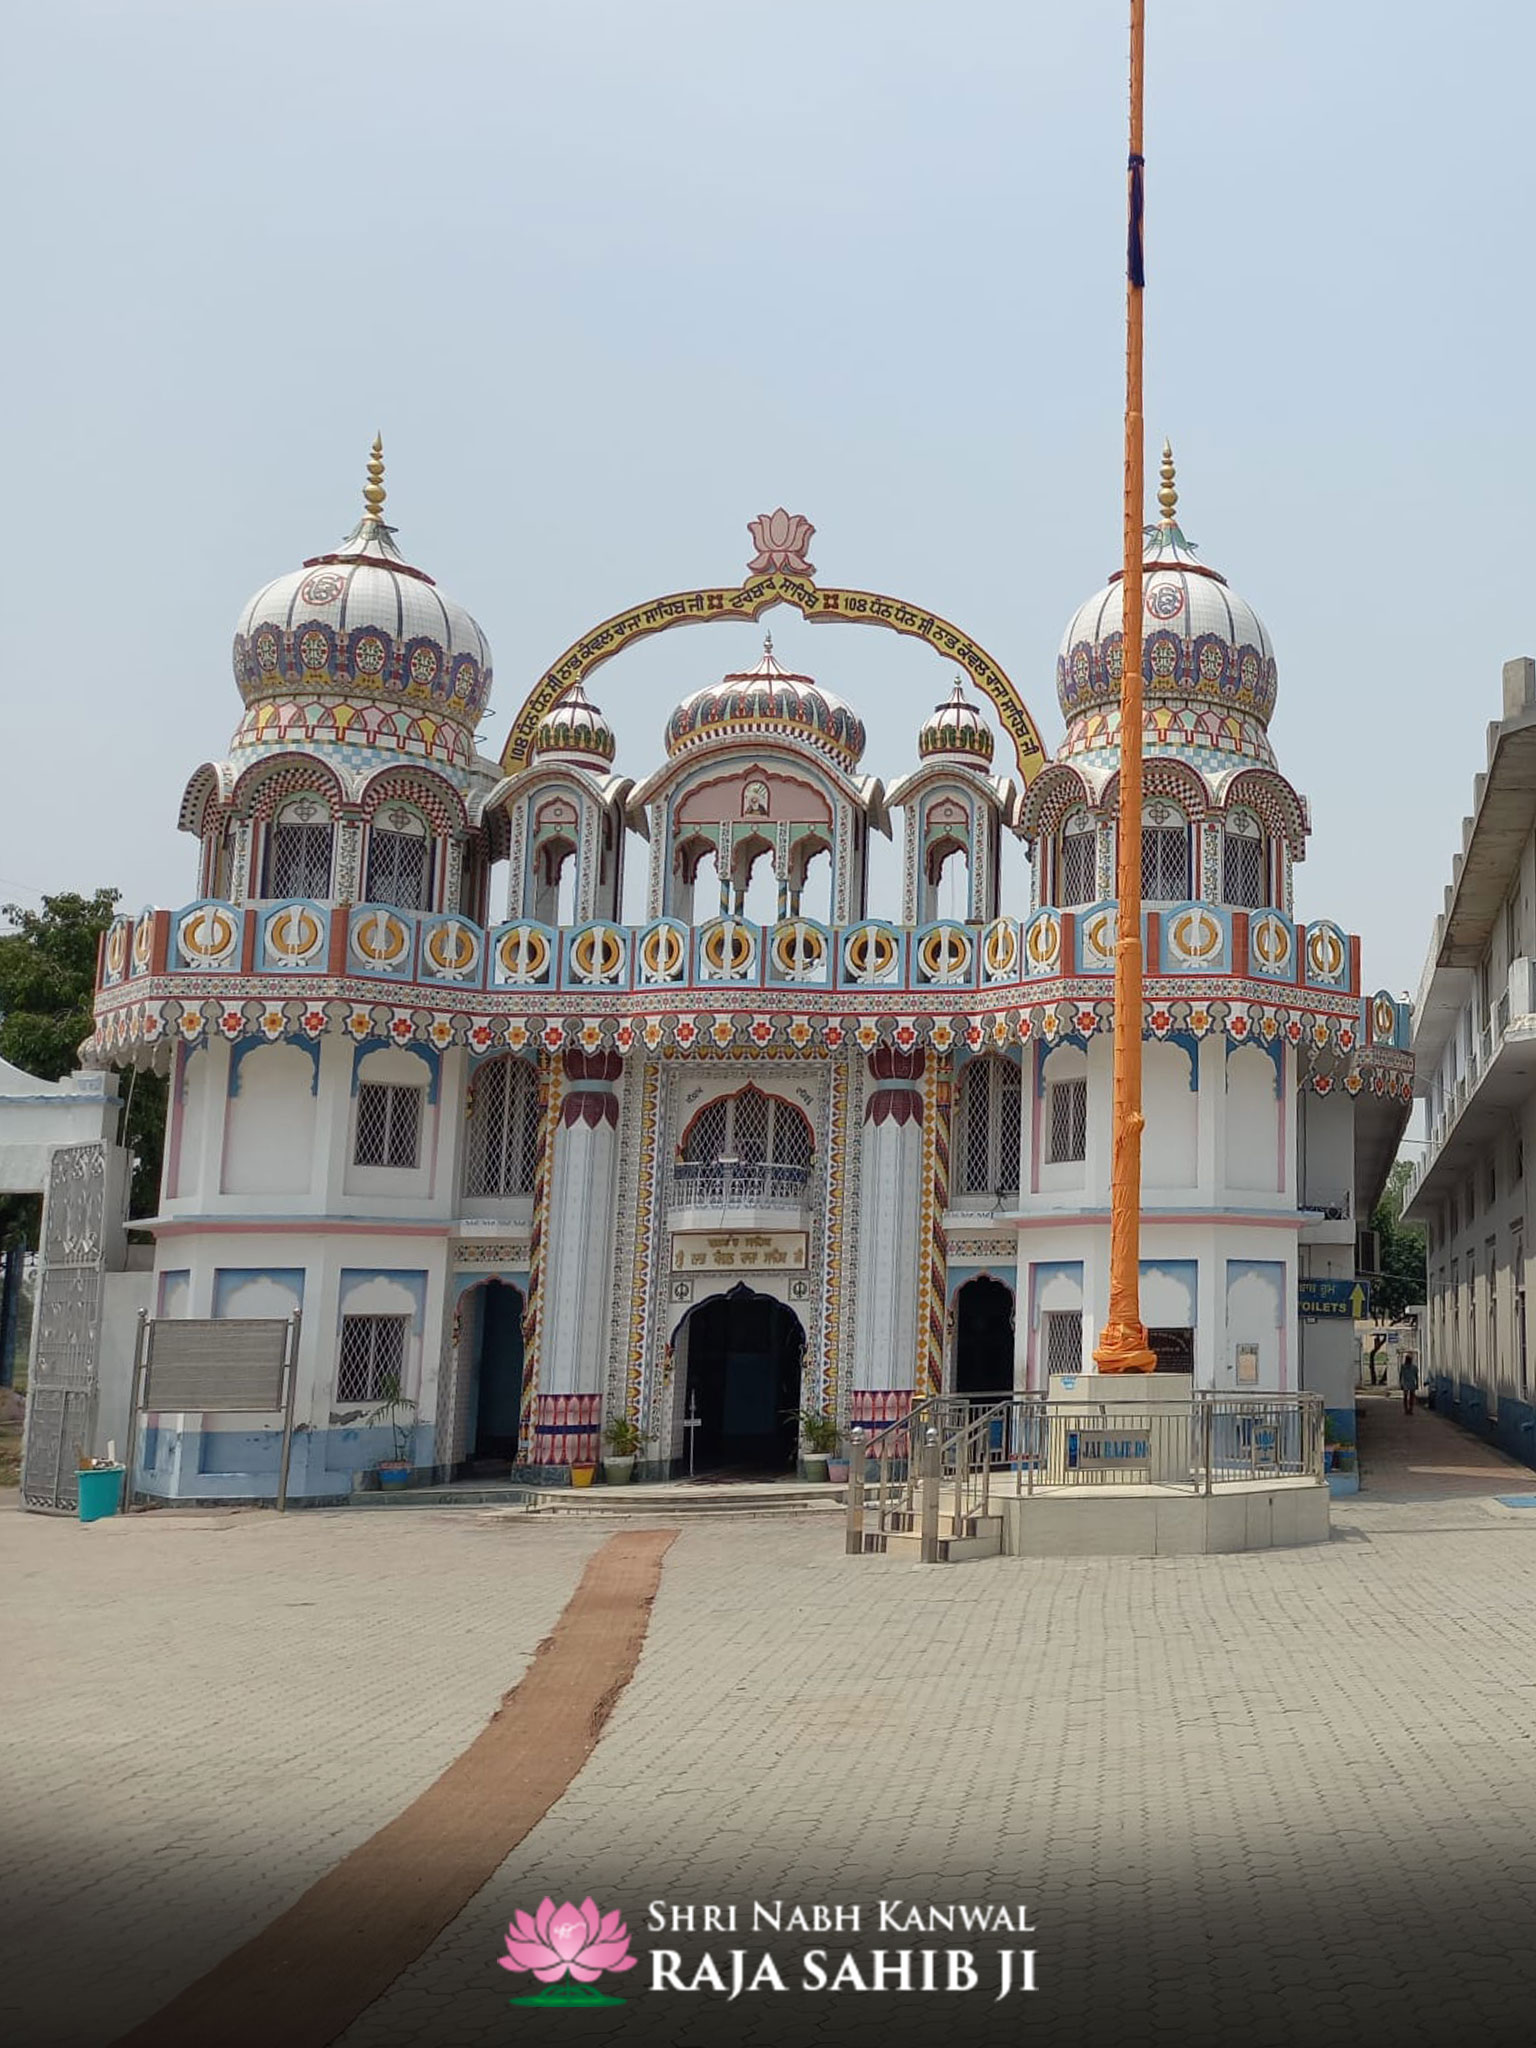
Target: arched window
(1165, 855)
(1244, 862)
(989, 1123)
(741, 1149)
(1077, 876)
(399, 860)
(502, 1149)
(298, 859)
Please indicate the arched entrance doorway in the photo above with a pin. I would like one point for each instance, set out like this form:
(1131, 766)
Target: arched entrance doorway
(743, 1384)
(496, 1386)
(983, 1337)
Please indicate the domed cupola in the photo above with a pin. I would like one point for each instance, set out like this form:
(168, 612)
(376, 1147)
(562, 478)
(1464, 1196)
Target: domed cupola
(768, 702)
(577, 735)
(957, 732)
(360, 647)
(1207, 660)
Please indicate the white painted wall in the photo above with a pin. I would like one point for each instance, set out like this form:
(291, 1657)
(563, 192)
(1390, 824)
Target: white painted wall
(269, 1136)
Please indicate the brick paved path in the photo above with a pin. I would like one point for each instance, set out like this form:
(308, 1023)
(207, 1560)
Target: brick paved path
(1426, 1456)
(1286, 1796)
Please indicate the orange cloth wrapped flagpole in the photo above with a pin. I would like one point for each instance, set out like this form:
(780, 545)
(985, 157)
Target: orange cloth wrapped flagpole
(1123, 1345)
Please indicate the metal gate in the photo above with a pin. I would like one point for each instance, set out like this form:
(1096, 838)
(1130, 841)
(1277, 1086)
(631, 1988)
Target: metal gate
(61, 1388)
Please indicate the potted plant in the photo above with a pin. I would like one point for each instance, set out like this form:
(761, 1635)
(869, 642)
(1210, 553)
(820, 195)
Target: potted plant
(820, 1434)
(1330, 1443)
(399, 1411)
(583, 1474)
(624, 1440)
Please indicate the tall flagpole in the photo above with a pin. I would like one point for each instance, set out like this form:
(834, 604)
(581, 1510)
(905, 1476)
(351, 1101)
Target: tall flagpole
(1123, 1345)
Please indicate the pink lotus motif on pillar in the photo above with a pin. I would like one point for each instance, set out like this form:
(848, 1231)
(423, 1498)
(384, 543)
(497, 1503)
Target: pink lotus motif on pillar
(559, 1941)
(781, 539)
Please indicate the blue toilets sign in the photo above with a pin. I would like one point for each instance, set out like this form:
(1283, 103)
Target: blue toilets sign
(1344, 1300)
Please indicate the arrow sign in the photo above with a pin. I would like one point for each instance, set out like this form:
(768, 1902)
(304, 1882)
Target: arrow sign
(1340, 1300)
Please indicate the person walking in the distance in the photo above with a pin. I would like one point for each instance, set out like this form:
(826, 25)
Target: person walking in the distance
(1408, 1380)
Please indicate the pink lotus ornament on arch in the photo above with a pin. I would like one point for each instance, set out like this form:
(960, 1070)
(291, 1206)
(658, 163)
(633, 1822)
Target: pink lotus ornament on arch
(568, 1948)
(781, 539)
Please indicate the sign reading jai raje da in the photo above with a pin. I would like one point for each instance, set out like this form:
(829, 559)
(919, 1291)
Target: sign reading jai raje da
(717, 1251)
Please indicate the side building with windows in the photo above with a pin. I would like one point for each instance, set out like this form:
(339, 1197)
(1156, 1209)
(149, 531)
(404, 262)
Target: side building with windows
(1475, 1069)
(766, 1151)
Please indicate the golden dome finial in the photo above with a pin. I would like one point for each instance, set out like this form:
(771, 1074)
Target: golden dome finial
(1168, 496)
(373, 490)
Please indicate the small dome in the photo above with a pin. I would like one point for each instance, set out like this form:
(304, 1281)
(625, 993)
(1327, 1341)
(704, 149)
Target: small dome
(1202, 644)
(768, 701)
(957, 732)
(576, 731)
(365, 627)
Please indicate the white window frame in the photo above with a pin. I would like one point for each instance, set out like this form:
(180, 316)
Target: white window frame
(394, 830)
(1074, 1114)
(1065, 1324)
(986, 1162)
(1080, 834)
(294, 839)
(502, 1140)
(399, 1106)
(375, 1335)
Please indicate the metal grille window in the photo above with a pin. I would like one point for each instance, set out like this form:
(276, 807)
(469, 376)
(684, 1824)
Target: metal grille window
(1165, 859)
(1244, 869)
(372, 1357)
(752, 1128)
(399, 861)
(388, 1125)
(502, 1149)
(1066, 1110)
(1079, 864)
(1064, 1340)
(990, 1122)
(299, 851)
(745, 1151)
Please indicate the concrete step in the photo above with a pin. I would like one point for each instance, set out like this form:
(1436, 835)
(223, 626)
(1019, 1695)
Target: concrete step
(467, 1495)
(984, 1538)
(686, 1500)
(902, 1521)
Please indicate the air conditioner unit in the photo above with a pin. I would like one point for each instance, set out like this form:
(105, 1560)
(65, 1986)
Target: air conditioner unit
(1368, 1253)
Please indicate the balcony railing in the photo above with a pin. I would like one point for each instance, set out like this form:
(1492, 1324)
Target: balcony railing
(728, 1184)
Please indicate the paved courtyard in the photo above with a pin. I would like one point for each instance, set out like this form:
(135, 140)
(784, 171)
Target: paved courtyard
(1272, 1796)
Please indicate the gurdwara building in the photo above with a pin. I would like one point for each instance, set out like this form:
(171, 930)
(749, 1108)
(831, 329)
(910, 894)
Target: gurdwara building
(537, 1167)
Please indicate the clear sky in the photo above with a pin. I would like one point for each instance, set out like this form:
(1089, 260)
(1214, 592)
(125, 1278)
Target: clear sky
(613, 276)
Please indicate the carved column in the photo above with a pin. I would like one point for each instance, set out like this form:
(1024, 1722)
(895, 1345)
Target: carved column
(891, 1249)
(574, 1326)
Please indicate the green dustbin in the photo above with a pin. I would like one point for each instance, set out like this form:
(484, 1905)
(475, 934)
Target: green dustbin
(101, 1493)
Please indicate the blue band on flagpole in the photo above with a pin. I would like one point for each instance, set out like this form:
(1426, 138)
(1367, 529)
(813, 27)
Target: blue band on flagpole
(1135, 268)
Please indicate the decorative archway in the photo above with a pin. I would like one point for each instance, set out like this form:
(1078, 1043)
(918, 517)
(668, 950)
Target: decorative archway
(777, 574)
(741, 1382)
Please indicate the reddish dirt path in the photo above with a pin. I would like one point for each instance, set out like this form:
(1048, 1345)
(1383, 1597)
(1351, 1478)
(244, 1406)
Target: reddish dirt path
(305, 1978)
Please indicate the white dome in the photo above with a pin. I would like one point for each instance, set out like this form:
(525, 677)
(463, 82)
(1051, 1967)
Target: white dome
(364, 625)
(1201, 642)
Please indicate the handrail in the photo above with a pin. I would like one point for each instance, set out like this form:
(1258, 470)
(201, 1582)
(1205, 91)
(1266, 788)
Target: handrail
(962, 1445)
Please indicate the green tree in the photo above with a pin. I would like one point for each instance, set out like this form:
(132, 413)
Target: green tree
(47, 987)
(1403, 1280)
